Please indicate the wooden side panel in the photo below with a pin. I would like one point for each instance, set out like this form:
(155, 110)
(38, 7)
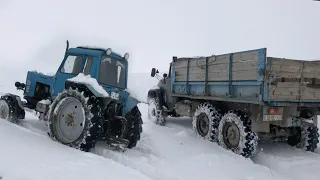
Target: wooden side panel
(246, 56)
(244, 67)
(294, 79)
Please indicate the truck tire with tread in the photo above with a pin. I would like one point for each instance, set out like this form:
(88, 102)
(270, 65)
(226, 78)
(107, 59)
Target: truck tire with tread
(236, 135)
(84, 127)
(206, 122)
(155, 112)
(307, 137)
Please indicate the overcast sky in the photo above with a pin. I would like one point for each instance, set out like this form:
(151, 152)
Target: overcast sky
(33, 32)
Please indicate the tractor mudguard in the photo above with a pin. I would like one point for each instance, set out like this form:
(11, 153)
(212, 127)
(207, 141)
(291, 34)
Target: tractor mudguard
(86, 86)
(131, 103)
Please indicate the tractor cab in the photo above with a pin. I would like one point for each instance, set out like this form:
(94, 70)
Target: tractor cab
(107, 67)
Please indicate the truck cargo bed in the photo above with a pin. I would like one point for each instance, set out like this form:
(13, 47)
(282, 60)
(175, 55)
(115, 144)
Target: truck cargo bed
(248, 76)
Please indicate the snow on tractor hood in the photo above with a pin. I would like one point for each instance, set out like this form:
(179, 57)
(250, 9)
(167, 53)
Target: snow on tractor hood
(87, 79)
(49, 75)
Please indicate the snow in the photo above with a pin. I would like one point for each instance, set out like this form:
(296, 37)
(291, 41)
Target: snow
(169, 152)
(87, 79)
(47, 74)
(45, 101)
(293, 163)
(28, 155)
(155, 87)
(136, 95)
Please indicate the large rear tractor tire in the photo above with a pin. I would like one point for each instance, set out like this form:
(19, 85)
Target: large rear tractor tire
(74, 119)
(235, 133)
(10, 110)
(134, 127)
(155, 112)
(206, 122)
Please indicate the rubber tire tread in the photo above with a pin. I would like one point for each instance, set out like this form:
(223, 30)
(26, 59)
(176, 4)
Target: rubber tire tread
(214, 116)
(13, 111)
(251, 138)
(93, 114)
(134, 127)
(313, 138)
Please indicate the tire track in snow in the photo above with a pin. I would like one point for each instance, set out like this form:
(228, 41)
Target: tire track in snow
(289, 161)
(279, 158)
(172, 151)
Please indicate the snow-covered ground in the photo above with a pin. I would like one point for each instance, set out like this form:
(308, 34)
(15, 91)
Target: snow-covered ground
(28, 155)
(171, 152)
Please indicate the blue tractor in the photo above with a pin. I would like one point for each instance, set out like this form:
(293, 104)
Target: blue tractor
(84, 102)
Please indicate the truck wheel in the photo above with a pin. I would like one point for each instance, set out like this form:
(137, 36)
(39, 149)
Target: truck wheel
(235, 134)
(307, 137)
(134, 126)
(9, 110)
(206, 122)
(155, 112)
(74, 119)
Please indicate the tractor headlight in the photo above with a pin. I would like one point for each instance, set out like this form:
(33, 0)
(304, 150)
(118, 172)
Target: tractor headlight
(126, 56)
(109, 51)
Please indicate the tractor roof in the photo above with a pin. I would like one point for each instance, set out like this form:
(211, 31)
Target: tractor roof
(93, 51)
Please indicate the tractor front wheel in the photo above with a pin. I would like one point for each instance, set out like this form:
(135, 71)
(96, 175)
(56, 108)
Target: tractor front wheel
(74, 118)
(10, 110)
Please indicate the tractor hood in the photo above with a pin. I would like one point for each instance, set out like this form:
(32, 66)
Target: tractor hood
(33, 77)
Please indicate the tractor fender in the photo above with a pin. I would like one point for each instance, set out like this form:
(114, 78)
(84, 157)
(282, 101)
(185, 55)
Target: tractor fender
(130, 104)
(70, 84)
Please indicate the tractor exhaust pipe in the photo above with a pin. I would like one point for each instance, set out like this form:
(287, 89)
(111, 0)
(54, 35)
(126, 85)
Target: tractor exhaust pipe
(65, 53)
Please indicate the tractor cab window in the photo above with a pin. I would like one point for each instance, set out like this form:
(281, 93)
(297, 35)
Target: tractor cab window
(87, 65)
(112, 72)
(72, 65)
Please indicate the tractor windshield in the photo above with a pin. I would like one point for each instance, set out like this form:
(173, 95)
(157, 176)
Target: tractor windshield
(112, 72)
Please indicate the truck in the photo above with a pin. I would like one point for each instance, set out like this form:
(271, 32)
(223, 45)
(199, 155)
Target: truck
(86, 101)
(241, 98)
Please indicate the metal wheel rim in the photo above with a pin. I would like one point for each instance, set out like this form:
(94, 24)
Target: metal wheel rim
(4, 110)
(70, 120)
(231, 135)
(203, 124)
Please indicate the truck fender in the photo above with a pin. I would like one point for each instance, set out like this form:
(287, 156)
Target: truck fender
(158, 94)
